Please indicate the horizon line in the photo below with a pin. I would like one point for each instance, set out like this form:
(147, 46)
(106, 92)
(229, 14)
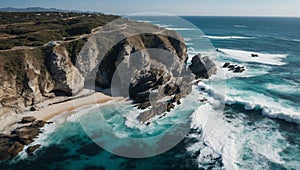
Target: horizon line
(183, 15)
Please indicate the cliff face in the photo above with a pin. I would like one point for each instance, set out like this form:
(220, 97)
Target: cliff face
(149, 69)
(31, 76)
(23, 81)
(143, 62)
(67, 78)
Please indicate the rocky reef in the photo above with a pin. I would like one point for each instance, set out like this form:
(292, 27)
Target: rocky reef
(234, 68)
(13, 143)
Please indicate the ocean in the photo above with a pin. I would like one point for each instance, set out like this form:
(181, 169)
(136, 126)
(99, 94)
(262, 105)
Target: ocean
(251, 120)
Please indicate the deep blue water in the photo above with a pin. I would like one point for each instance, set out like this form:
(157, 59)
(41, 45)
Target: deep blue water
(257, 128)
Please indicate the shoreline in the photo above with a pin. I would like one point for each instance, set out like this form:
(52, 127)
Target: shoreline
(49, 112)
(56, 106)
(19, 136)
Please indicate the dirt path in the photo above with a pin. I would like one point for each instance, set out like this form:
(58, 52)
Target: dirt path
(74, 38)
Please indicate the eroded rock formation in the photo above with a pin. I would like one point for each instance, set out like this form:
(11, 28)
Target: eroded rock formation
(13, 143)
(141, 61)
(203, 67)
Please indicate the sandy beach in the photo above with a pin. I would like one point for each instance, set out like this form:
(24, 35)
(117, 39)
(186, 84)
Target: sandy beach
(53, 107)
(48, 112)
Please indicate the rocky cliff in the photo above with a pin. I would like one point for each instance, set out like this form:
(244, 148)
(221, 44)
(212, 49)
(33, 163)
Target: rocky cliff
(32, 76)
(143, 62)
(140, 61)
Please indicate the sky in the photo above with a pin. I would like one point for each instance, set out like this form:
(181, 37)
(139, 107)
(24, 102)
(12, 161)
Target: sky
(175, 7)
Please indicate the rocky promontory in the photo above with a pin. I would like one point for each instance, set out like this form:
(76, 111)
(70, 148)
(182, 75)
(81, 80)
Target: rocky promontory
(143, 62)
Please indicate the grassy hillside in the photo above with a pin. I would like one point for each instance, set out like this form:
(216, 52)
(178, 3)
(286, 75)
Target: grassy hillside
(39, 28)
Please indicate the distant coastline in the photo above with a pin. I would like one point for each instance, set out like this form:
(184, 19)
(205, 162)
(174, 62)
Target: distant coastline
(41, 9)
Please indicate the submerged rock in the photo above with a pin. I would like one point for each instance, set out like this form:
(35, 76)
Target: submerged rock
(226, 65)
(31, 149)
(9, 147)
(231, 67)
(234, 68)
(239, 69)
(203, 100)
(38, 124)
(178, 102)
(26, 134)
(12, 144)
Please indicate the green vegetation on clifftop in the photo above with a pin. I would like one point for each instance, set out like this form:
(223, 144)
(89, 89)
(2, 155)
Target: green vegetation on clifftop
(39, 28)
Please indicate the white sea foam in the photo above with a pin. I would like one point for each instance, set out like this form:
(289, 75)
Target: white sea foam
(240, 26)
(228, 138)
(245, 56)
(181, 29)
(43, 138)
(261, 143)
(132, 121)
(187, 39)
(190, 44)
(282, 88)
(224, 73)
(143, 21)
(226, 37)
(164, 25)
(191, 53)
(200, 116)
(216, 95)
(284, 39)
(249, 106)
(214, 130)
(272, 108)
(297, 40)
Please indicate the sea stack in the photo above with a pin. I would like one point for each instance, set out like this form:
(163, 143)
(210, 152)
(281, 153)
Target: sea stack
(203, 67)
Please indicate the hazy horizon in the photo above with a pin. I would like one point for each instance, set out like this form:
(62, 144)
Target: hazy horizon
(267, 8)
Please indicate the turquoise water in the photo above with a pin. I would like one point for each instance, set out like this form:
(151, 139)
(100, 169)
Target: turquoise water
(251, 120)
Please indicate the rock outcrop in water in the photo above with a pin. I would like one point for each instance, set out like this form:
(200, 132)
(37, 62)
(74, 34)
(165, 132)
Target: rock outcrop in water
(234, 68)
(203, 67)
(12, 144)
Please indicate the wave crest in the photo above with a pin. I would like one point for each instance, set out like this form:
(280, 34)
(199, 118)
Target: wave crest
(246, 56)
(226, 37)
(262, 103)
